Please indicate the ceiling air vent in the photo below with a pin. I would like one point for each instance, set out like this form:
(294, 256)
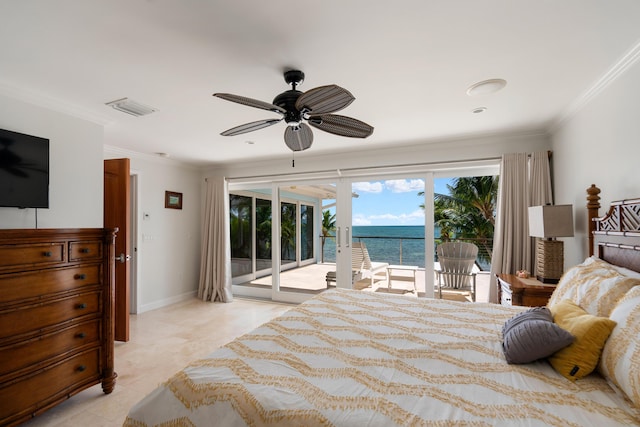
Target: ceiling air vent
(129, 106)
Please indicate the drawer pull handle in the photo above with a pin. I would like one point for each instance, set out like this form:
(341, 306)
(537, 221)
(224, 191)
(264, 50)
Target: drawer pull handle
(85, 250)
(47, 254)
(81, 276)
(81, 368)
(81, 335)
(81, 306)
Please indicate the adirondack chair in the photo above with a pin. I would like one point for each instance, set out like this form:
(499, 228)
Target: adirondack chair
(457, 260)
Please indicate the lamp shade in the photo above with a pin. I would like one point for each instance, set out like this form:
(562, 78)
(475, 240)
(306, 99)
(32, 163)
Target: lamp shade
(551, 221)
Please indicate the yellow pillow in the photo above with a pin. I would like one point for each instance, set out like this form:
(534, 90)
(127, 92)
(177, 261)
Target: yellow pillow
(580, 358)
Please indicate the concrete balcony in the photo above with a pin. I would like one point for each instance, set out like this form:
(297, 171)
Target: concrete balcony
(312, 279)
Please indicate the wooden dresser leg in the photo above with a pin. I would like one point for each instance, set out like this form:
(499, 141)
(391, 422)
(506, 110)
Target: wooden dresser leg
(109, 382)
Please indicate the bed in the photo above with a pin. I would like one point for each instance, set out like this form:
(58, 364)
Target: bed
(352, 358)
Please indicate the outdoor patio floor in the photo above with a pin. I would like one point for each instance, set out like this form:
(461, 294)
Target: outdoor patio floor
(312, 279)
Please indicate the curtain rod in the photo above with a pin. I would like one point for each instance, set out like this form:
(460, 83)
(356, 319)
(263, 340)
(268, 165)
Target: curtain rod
(369, 169)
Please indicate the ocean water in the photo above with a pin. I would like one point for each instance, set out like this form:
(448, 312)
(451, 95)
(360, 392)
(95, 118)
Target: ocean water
(397, 244)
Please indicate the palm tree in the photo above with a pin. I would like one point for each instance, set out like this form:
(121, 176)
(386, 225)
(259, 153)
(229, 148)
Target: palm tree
(288, 231)
(469, 210)
(328, 226)
(263, 229)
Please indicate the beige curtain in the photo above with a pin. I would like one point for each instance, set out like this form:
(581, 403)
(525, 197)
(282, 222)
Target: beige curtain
(215, 263)
(541, 193)
(524, 180)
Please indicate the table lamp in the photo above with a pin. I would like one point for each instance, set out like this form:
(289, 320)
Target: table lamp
(546, 223)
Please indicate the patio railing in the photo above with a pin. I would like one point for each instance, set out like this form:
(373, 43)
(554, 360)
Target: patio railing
(408, 250)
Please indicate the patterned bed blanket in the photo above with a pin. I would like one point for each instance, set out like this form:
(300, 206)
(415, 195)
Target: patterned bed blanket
(352, 358)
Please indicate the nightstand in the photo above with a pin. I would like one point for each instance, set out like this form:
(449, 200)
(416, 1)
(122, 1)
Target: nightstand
(513, 290)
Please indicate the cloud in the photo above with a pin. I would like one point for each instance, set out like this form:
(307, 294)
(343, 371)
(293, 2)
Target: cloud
(367, 187)
(399, 219)
(360, 220)
(404, 185)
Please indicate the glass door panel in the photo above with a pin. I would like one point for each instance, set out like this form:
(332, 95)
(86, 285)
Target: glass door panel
(241, 224)
(306, 232)
(302, 238)
(263, 237)
(389, 220)
(288, 234)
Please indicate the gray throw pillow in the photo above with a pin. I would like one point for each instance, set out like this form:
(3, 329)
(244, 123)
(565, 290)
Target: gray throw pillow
(532, 335)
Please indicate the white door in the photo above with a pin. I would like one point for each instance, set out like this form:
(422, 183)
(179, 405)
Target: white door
(290, 202)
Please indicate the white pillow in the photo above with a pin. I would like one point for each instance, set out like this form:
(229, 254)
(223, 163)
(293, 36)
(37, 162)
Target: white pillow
(595, 285)
(620, 359)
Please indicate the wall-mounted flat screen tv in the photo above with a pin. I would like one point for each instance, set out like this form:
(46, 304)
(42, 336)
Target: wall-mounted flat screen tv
(24, 170)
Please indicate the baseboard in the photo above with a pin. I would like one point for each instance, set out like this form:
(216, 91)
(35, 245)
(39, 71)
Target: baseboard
(167, 301)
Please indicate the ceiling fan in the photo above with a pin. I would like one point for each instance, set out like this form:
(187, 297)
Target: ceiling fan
(295, 108)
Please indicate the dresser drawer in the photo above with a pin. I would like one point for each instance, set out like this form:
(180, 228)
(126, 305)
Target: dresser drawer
(34, 392)
(16, 287)
(41, 349)
(37, 316)
(79, 251)
(31, 255)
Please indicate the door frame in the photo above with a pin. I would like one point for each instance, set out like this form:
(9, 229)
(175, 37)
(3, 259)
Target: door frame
(135, 266)
(427, 171)
(276, 200)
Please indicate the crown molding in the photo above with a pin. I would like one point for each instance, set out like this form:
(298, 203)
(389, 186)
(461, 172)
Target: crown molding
(112, 152)
(620, 67)
(44, 101)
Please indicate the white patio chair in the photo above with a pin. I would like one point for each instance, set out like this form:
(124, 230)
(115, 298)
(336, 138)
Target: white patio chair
(361, 264)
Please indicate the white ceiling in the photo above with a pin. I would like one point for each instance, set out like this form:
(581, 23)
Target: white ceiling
(408, 63)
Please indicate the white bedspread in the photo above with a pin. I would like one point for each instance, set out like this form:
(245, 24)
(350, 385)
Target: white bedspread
(351, 358)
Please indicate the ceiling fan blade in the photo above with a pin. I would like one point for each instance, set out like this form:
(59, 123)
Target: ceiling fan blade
(249, 127)
(324, 99)
(298, 138)
(341, 125)
(250, 102)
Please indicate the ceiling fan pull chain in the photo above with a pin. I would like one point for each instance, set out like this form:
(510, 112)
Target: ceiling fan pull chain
(293, 159)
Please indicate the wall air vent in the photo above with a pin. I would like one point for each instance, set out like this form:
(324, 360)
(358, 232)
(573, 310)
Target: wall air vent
(129, 106)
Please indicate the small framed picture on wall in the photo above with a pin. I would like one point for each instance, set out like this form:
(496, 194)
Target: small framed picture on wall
(172, 200)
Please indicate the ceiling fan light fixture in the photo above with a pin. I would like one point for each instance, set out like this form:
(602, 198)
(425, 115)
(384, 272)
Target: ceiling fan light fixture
(486, 86)
(298, 138)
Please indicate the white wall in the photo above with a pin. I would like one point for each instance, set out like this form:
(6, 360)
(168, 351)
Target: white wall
(168, 254)
(599, 145)
(75, 187)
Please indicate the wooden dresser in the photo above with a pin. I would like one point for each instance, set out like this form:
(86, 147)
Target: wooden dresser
(56, 317)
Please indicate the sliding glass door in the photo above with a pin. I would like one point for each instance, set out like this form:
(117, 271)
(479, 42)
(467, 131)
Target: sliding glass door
(293, 239)
(390, 220)
(277, 239)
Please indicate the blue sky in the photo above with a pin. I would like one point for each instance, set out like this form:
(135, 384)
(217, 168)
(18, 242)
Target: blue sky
(391, 202)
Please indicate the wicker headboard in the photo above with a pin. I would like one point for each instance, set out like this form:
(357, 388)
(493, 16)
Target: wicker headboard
(615, 237)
